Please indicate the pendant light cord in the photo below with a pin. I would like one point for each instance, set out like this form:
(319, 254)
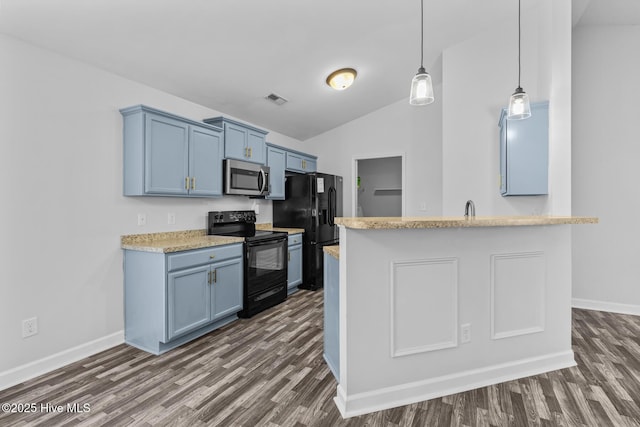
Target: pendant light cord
(519, 66)
(421, 33)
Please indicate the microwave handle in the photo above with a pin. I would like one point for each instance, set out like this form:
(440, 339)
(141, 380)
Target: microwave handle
(264, 184)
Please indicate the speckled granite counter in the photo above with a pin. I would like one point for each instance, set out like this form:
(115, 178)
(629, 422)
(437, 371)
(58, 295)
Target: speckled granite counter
(374, 223)
(174, 241)
(269, 227)
(333, 250)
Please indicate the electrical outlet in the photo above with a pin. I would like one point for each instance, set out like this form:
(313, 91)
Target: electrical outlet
(142, 219)
(423, 206)
(29, 327)
(465, 333)
(171, 218)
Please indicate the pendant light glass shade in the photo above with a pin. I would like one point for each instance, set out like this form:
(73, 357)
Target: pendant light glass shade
(519, 107)
(421, 88)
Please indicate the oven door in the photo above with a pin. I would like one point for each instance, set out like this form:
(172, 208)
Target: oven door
(266, 265)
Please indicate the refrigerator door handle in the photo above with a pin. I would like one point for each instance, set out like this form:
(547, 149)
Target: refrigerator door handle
(332, 206)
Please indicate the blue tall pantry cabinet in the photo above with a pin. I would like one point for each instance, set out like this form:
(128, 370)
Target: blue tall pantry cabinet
(524, 153)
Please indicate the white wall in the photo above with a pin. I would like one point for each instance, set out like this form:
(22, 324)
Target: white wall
(479, 75)
(395, 129)
(63, 211)
(606, 150)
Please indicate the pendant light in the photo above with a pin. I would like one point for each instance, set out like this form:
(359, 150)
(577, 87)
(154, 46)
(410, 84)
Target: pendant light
(421, 87)
(519, 107)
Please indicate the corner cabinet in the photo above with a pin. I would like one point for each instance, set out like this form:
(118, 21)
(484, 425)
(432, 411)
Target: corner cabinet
(167, 155)
(173, 298)
(524, 153)
(241, 141)
(294, 266)
(276, 158)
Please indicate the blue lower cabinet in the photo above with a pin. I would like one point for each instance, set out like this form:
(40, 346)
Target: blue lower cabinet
(226, 295)
(187, 300)
(332, 314)
(171, 299)
(294, 265)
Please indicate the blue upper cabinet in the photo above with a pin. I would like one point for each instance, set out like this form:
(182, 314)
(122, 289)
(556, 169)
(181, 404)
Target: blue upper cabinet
(524, 153)
(167, 155)
(205, 162)
(241, 141)
(276, 158)
(301, 162)
(166, 163)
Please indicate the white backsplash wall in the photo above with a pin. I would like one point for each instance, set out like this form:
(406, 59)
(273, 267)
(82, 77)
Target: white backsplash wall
(63, 210)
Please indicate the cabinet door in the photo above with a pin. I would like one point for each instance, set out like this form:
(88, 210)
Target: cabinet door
(226, 295)
(294, 162)
(166, 155)
(310, 165)
(205, 162)
(524, 153)
(188, 297)
(255, 144)
(235, 142)
(294, 269)
(276, 162)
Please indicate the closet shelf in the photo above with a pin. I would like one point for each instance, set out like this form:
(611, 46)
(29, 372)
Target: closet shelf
(393, 190)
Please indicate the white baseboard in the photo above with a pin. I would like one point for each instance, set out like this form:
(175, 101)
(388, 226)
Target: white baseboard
(405, 394)
(612, 307)
(42, 366)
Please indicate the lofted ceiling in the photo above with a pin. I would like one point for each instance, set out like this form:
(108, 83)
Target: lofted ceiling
(229, 54)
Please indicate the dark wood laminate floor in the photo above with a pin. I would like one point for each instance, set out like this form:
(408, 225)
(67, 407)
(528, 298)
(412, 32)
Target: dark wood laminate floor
(269, 371)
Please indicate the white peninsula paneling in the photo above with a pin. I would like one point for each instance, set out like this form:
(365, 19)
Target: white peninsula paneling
(518, 289)
(423, 293)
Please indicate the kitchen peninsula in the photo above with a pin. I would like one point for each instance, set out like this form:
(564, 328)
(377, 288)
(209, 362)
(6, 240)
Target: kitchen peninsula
(430, 306)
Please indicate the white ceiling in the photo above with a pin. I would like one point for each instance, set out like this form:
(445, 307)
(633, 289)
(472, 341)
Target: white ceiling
(229, 54)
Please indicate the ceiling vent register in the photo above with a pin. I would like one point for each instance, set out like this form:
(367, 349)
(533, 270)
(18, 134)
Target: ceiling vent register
(276, 99)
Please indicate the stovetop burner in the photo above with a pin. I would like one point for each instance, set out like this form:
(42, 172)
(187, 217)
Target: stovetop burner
(238, 224)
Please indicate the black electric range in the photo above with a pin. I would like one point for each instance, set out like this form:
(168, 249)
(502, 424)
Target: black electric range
(265, 259)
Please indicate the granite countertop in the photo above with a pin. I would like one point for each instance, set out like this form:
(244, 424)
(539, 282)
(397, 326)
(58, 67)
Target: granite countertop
(375, 223)
(269, 227)
(333, 250)
(174, 241)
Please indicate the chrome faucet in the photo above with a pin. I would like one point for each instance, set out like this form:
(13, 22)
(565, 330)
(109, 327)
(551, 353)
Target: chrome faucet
(469, 209)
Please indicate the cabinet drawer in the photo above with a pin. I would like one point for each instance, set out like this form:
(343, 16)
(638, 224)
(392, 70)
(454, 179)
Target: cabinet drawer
(203, 256)
(295, 239)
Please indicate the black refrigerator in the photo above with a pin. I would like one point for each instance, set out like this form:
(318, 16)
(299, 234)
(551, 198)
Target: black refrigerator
(313, 201)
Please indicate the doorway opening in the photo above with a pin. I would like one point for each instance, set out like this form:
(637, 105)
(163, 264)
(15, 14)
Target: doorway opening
(378, 185)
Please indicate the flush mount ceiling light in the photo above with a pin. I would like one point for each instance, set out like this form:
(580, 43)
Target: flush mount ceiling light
(421, 87)
(519, 107)
(342, 79)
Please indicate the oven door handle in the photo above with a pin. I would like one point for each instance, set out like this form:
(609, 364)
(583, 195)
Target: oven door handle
(262, 175)
(265, 242)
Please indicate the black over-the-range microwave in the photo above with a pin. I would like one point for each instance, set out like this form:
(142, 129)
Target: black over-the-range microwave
(246, 178)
